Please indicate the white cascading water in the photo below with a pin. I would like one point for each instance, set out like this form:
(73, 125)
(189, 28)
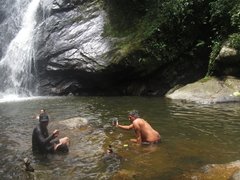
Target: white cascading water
(16, 66)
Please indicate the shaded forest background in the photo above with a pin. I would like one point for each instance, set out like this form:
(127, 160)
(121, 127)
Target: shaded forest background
(173, 31)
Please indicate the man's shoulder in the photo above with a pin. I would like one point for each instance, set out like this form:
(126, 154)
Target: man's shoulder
(141, 121)
(138, 121)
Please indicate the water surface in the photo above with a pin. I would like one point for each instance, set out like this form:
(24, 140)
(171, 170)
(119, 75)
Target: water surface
(193, 135)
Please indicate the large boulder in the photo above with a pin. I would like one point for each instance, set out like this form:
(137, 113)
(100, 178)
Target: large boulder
(227, 62)
(71, 52)
(209, 90)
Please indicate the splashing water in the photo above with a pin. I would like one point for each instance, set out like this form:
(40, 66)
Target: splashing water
(17, 65)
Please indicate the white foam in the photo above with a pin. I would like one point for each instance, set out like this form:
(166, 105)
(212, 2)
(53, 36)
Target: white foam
(17, 98)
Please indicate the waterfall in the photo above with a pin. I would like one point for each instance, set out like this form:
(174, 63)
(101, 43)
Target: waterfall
(17, 65)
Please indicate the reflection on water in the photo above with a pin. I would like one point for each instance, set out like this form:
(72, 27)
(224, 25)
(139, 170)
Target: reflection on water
(193, 135)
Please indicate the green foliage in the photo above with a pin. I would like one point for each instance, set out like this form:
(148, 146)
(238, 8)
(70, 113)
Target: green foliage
(205, 79)
(123, 16)
(170, 30)
(234, 41)
(179, 30)
(215, 51)
(235, 16)
(224, 21)
(220, 17)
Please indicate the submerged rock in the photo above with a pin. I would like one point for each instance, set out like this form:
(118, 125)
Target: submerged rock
(215, 172)
(125, 174)
(236, 176)
(27, 165)
(73, 123)
(209, 90)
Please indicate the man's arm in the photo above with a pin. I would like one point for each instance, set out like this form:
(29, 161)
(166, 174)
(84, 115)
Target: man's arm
(125, 127)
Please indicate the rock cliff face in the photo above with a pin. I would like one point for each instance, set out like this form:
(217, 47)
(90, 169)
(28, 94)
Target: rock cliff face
(73, 56)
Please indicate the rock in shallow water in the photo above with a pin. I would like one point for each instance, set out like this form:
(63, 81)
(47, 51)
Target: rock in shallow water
(215, 172)
(209, 90)
(76, 122)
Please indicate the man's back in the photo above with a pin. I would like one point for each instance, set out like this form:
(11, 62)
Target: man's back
(148, 134)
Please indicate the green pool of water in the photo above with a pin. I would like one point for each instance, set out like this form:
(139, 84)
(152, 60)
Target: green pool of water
(193, 135)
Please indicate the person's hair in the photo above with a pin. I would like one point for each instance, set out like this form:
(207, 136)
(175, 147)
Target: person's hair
(134, 113)
(63, 148)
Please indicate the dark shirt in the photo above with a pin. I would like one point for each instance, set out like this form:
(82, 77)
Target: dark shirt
(41, 141)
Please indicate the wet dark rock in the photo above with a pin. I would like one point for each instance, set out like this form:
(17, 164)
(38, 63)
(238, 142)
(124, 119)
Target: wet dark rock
(62, 5)
(71, 53)
(28, 166)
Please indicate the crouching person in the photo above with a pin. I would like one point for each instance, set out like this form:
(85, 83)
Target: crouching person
(44, 143)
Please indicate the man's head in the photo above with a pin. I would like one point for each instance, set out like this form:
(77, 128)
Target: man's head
(132, 115)
(63, 148)
(43, 119)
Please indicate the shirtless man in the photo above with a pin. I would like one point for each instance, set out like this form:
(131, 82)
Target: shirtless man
(145, 134)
